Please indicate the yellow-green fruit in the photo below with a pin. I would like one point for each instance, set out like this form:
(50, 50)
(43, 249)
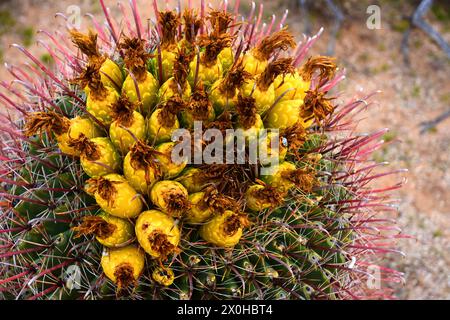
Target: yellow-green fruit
(122, 232)
(148, 92)
(254, 202)
(223, 230)
(292, 86)
(168, 59)
(157, 234)
(167, 91)
(123, 266)
(276, 179)
(226, 58)
(124, 139)
(78, 126)
(164, 276)
(206, 74)
(170, 169)
(111, 74)
(254, 65)
(141, 180)
(158, 133)
(101, 109)
(284, 114)
(171, 197)
(115, 196)
(108, 160)
(264, 100)
(190, 180)
(198, 213)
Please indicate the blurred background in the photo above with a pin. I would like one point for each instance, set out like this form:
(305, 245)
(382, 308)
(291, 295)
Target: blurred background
(405, 54)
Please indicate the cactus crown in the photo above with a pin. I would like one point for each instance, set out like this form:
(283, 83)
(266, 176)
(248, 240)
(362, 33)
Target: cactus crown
(241, 230)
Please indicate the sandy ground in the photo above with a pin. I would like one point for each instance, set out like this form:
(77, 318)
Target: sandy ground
(410, 95)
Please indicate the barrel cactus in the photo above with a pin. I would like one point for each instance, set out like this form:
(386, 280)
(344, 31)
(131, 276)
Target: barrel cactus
(95, 207)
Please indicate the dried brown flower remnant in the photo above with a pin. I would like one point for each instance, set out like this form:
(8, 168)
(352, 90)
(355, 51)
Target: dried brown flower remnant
(281, 40)
(87, 148)
(122, 110)
(316, 106)
(169, 111)
(87, 43)
(90, 77)
(246, 110)
(325, 65)
(192, 24)
(274, 69)
(161, 244)
(213, 44)
(136, 57)
(220, 21)
(48, 121)
(105, 188)
(234, 79)
(95, 225)
(169, 21)
(234, 223)
(144, 157)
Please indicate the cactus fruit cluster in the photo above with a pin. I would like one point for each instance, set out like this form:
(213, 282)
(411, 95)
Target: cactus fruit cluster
(93, 206)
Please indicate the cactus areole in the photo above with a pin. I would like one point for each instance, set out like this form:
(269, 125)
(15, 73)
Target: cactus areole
(88, 181)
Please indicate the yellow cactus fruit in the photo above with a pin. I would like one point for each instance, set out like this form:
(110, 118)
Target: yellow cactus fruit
(123, 266)
(170, 89)
(115, 196)
(163, 275)
(206, 204)
(140, 86)
(290, 86)
(263, 89)
(63, 129)
(128, 125)
(209, 69)
(224, 92)
(248, 120)
(224, 230)
(287, 176)
(191, 179)
(199, 108)
(226, 58)
(256, 60)
(178, 84)
(141, 168)
(168, 22)
(221, 21)
(98, 157)
(100, 98)
(276, 178)
(164, 121)
(170, 169)
(157, 234)
(261, 197)
(110, 231)
(170, 197)
(111, 74)
(285, 114)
